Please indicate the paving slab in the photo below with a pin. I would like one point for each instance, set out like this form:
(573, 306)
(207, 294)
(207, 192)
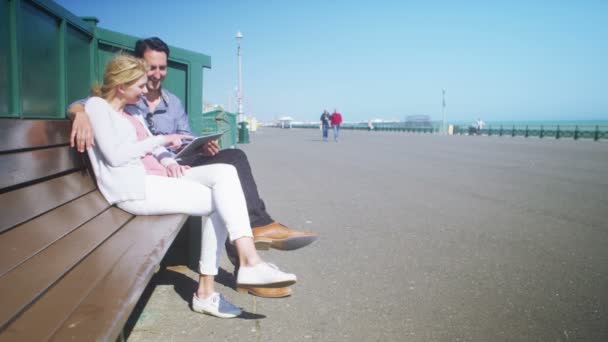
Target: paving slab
(423, 238)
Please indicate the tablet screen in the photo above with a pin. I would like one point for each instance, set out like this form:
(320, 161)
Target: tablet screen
(194, 146)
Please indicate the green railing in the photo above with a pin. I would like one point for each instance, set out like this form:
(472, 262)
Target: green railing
(541, 131)
(575, 132)
(221, 121)
(377, 127)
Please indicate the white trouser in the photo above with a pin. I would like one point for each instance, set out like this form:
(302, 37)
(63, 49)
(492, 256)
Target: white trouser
(209, 190)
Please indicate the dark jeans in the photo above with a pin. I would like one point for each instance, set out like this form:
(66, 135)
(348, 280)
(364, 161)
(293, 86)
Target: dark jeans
(325, 129)
(237, 158)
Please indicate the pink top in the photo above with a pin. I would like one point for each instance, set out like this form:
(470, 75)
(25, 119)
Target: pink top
(151, 164)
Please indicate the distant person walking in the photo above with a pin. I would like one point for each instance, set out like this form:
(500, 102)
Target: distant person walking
(325, 122)
(480, 125)
(336, 121)
(476, 127)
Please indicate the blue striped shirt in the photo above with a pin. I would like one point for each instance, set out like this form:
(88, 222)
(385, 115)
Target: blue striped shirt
(169, 116)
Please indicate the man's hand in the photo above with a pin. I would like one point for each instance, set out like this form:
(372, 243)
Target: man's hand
(82, 135)
(176, 170)
(210, 149)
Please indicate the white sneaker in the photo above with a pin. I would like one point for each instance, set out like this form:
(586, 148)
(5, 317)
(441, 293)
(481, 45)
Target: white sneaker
(264, 274)
(215, 305)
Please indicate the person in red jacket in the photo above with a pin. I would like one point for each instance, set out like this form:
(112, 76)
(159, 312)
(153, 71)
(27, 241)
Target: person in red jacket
(336, 121)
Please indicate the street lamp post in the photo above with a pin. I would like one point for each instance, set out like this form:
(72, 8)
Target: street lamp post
(443, 131)
(243, 130)
(239, 95)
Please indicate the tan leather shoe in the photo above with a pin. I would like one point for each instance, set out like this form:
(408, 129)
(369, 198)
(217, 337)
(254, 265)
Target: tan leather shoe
(278, 236)
(266, 292)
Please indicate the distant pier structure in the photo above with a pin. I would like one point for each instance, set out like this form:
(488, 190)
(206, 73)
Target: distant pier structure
(285, 122)
(418, 121)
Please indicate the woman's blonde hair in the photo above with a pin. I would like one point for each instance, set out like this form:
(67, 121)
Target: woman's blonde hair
(122, 69)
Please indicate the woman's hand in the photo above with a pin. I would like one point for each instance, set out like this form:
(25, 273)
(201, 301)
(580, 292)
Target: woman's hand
(176, 170)
(175, 140)
(82, 136)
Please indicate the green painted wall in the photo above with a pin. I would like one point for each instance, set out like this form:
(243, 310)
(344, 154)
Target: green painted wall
(78, 63)
(49, 58)
(39, 63)
(177, 82)
(4, 59)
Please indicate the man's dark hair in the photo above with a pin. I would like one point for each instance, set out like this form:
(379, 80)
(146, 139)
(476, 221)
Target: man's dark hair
(153, 43)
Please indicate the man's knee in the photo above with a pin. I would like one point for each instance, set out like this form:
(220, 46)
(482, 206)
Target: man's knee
(235, 157)
(234, 154)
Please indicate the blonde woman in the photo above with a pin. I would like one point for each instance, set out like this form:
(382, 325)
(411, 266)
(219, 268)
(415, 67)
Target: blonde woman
(136, 172)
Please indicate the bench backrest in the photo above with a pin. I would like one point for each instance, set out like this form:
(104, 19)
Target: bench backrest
(46, 195)
(40, 171)
(63, 249)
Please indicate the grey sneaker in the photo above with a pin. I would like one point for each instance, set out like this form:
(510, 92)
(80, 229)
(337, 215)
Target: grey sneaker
(215, 305)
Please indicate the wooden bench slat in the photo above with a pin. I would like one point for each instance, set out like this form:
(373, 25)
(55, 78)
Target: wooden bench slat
(23, 204)
(134, 250)
(19, 244)
(21, 134)
(111, 304)
(22, 167)
(23, 285)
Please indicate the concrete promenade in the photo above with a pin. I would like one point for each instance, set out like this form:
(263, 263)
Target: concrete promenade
(423, 238)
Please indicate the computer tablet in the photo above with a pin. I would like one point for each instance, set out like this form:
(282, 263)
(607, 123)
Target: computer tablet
(194, 147)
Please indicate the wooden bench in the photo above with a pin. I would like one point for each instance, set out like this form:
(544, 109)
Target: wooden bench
(72, 267)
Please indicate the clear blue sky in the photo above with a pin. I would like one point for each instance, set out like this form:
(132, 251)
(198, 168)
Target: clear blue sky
(498, 60)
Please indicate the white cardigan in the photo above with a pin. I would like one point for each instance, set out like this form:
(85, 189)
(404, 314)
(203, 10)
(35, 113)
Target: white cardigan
(116, 156)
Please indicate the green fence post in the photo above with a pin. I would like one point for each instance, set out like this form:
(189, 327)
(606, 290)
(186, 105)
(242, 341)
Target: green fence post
(557, 133)
(575, 132)
(489, 131)
(541, 132)
(596, 136)
(500, 132)
(526, 133)
(513, 131)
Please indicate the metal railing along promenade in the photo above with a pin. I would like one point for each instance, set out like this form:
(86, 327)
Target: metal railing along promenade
(595, 132)
(380, 128)
(541, 131)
